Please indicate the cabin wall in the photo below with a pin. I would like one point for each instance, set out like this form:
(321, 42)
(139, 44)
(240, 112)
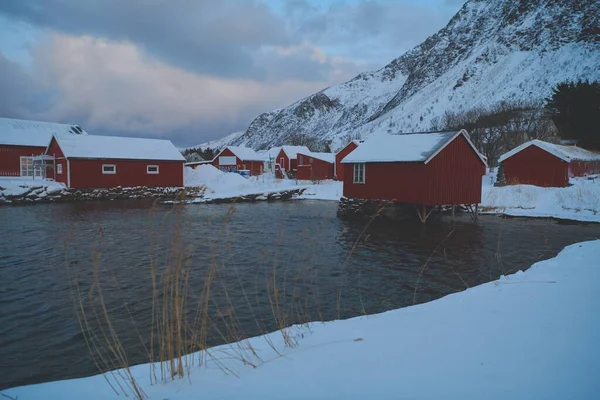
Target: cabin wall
(534, 166)
(10, 158)
(339, 167)
(583, 168)
(313, 169)
(87, 174)
(455, 175)
(55, 150)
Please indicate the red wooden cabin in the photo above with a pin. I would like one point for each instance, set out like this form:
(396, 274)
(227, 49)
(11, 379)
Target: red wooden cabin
(86, 162)
(287, 158)
(548, 165)
(315, 166)
(239, 158)
(424, 169)
(20, 140)
(339, 168)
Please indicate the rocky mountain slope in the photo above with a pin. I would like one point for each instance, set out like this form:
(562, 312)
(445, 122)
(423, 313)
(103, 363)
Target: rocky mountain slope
(490, 51)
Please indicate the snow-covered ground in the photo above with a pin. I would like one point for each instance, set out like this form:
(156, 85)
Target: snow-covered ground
(531, 335)
(579, 202)
(225, 184)
(18, 186)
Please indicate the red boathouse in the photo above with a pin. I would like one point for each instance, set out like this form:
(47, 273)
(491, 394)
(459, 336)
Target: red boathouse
(315, 166)
(20, 140)
(546, 164)
(339, 168)
(423, 169)
(239, 158)
(90, 162)
(287, 158)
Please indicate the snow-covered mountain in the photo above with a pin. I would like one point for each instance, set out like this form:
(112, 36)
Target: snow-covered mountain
(490, 51)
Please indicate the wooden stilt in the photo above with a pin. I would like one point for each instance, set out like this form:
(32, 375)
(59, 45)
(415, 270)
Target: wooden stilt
(422, 213)
(453, 208)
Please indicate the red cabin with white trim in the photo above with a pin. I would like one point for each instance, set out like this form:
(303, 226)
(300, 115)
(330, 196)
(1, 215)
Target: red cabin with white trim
(315, 166)
(287, 158)
(21, 140)
(90, 162)
(427, 169)
(239, 158)
(548, 165)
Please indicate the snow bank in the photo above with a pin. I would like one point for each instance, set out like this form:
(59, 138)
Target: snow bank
(213, 178)
(16, 187)
(580, 202)
(225, 184)
(531, 335)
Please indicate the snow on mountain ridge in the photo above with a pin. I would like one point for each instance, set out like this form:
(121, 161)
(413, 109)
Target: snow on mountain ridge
(490, 51)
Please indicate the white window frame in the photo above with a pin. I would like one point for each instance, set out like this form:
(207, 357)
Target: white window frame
(28, 168)
(152, 172)
(227, 161)
(359, 173)
(59, 169)
(105, 172)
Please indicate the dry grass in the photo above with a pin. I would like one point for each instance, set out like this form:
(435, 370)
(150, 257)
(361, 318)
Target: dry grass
(185, 321)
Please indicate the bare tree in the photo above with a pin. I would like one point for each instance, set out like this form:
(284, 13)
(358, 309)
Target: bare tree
(501, 128)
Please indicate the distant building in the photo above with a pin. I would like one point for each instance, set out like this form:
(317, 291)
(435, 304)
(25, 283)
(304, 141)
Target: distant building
(315, 166)
(239, 158)
(421, 169)
(548, 165)
(287, 158)
(21, 140)
(91, 161)
(347, 149)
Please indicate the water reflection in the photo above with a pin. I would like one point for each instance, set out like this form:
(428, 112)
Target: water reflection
(324, 268)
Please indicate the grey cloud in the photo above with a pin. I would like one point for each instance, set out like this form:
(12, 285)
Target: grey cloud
(22, 92)
(373, 29)
(206, 36)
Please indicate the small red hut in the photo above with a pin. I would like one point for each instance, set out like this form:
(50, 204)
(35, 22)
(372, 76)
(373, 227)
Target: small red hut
(287, 158)
(424, 169)
(315, 166)
(546, 164)
(21, 140)
(239, 158)
(90, 161)
(339, 168)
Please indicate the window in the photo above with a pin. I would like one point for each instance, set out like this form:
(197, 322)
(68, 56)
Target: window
(26, 166)
(152, 169)
(359, 173)
(310, 160)
(109, 169)
(227, 160)
(59, 169)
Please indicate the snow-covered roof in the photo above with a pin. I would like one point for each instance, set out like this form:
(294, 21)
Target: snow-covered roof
(245, 153)
(292, 151)
(356, 142)
(115, 147)
(327, 157)
(19, 132)
(565, 153)
(409, 147)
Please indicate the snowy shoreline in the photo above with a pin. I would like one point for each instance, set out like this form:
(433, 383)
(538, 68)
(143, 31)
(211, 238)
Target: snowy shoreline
(578, 202)
(532, 334)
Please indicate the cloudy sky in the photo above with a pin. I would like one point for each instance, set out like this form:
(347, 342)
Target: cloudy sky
(192, 70)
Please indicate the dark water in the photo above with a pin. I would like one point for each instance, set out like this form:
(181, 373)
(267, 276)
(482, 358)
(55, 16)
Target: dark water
(324, 268)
